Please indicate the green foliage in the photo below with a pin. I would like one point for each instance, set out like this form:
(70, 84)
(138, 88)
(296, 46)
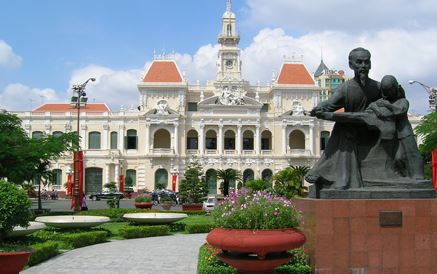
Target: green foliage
(427, 130)
(82, 239)
(129, 182)
(257, 185)
(255, 210)
(289, 182)
(14, 208)
(22, 158)
(160, 185)
(177, 227)
(144, 231)
(227, 176)
(143, 199)
(199, 228)
(209, 264)
(193, 188)
(111, 186)
(42, 252)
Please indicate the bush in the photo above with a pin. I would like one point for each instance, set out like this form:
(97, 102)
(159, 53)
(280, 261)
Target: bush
(177, 227)
(143, 199)
(199, 228)
(42, 252)
(209, 264)
(144, 231)
(193, 188)
(257, 185)
(82, 239)
(14, 208)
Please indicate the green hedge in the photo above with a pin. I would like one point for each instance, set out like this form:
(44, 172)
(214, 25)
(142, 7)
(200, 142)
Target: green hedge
(199, 228)
(144, 231)
(42, 252)
(177, 227)
(82, 239)
(209, 264)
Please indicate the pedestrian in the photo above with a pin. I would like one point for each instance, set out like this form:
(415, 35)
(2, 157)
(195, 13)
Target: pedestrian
(84, 206)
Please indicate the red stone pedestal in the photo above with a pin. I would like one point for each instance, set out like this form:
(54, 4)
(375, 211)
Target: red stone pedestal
(347, 236)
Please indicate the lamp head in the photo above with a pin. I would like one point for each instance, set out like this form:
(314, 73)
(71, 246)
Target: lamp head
(411, 81)
(93, 79)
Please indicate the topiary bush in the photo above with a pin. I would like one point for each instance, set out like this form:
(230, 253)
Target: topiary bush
(199, 228)
(144, 231)
(14, 208)
(42, 252)
(82, 239)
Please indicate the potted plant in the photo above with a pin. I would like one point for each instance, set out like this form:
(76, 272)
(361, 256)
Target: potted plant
(255, 231)
(14, 211)
(166, 202)
(143, 201)
(193, 188)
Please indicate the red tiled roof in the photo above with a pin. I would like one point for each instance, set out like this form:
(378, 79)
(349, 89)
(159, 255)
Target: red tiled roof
(69, 108)
(295, 74)
(164, 72)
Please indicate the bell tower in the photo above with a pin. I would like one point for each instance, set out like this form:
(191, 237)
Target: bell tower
(229, 63)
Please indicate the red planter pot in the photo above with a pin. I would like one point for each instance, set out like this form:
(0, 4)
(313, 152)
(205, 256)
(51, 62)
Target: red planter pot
(13, 262)
(260, 242)
(144, 205)
(191, 207)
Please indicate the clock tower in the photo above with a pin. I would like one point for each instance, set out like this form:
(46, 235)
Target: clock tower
(229, 63)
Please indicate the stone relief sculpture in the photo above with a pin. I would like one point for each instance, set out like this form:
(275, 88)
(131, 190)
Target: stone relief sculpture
(372, 152)
(230, 97)
(297, 109)
(162, 108)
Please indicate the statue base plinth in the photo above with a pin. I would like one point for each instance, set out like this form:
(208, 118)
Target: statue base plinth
(378, 190)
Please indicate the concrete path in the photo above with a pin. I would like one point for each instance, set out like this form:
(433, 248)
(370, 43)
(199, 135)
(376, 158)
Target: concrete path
(175, 254)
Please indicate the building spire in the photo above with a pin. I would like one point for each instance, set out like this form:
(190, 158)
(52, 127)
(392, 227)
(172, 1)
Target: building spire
(228, 5)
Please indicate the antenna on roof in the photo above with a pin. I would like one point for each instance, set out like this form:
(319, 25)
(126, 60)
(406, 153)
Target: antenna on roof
(228, 5)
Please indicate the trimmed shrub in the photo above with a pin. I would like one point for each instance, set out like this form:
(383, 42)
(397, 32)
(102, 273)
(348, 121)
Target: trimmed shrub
(209, 264)
(177, 227)
(42, 252)
(199, 228)
(82, 239)
(144, 231)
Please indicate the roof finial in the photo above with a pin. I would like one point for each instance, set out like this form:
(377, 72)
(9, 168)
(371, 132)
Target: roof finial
(321, 53)
(228, 5)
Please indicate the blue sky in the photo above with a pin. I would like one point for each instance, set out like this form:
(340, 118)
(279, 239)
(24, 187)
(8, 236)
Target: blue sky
(48, 45)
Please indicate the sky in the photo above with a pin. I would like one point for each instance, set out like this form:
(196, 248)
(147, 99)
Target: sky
(46, 46)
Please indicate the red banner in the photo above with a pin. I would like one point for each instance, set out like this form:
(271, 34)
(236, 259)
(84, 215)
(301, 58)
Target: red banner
(434, 168)
(77, 177)
(173, 182)
(121, 183)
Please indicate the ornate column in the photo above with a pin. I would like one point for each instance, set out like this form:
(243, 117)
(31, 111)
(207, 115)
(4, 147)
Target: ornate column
(105, 136)
(257, 140)
(220, 140)
(83, 128)
(284, 139)
(120, 142)
(107, 171)
(311, 139)
(147, 141)
(176, 138)
(202, 139)
(238, 139)
(117, 172)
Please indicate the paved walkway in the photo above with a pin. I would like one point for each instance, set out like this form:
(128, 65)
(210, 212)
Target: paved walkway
(175, 254)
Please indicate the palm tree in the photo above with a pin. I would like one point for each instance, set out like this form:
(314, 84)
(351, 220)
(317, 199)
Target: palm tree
(289, 182)
(227, 176)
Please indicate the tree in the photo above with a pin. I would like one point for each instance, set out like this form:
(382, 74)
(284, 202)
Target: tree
(427, 130)
(22, 158)
(289, 183)
(257, 185)
(193, 188)
(227, 176)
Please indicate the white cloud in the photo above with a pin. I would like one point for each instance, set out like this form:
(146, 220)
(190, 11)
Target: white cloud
(21, 97)
(115, 88)
(8, 58)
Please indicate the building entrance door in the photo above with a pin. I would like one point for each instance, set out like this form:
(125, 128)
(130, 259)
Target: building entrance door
(93, 180)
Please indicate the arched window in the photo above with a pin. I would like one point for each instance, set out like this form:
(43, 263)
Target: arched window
(131, 141)
(57, 134)
(161, 139)
(37, 135)
(324, 137)
(248, 175)
(229, 140)
(94, 140)
(248, 140)
(297, 140)
(131, 179)
(57, 177)
(267, 175)
(266, 140)
(211, 180)
(114, 140)
(211, 140)
(192, 139)
(161, 178)
(93, 180)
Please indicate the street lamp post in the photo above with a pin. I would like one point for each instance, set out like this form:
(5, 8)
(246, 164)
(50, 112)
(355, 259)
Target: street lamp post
(77, 100)
(432, 92)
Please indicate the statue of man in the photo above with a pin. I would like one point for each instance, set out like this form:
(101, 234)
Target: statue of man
(340, 165)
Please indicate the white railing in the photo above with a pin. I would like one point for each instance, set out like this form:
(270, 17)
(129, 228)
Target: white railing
(210, 151)
(192, 151)
(230, 152)
(161, 151)
(299, 152)
(248, 152)
(266, 152)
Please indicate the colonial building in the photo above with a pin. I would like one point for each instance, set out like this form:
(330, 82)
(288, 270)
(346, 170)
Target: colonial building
(227, 123)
